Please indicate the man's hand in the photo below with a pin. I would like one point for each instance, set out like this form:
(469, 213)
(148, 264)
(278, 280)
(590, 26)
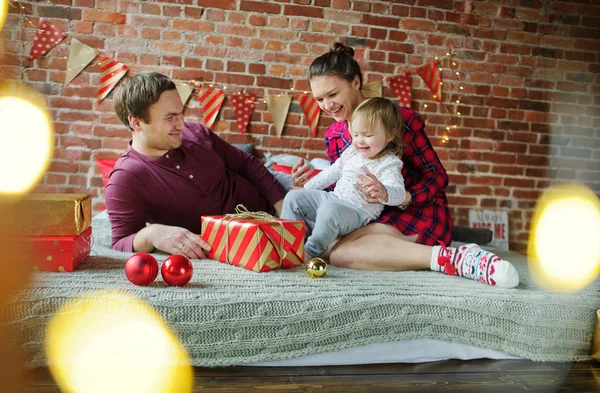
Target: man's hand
(171, 240)
(300, 173)
(372, 189)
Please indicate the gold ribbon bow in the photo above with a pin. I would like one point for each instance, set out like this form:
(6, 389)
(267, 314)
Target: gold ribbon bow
(242, 213)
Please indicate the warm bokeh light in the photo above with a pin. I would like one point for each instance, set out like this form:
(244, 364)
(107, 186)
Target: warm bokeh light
(564, 246)
(23, 119)
(3, 12)
(112, 342)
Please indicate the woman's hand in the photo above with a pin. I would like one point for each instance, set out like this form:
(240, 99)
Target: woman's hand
(300, 173)
(372, 189)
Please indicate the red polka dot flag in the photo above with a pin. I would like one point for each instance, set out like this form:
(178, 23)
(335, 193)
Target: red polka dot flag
(432, 76)
(210, 104)
(311, 111)
(47, 36)
(111, 72)
(243, 105)
(400, 85)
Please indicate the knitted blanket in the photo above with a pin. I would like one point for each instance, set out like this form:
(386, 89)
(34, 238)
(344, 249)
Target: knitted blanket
(227, 315)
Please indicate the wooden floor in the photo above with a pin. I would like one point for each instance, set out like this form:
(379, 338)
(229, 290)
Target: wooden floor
(477, 376)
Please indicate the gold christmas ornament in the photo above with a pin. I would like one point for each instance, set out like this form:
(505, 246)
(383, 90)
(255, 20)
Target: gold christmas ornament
(316, 268)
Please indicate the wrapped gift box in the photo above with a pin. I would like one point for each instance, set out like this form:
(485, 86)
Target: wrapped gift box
(56, 253)
(256, 244)
(55, 215)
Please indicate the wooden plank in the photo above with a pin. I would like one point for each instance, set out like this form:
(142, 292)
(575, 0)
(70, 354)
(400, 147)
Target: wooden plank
(501, 376)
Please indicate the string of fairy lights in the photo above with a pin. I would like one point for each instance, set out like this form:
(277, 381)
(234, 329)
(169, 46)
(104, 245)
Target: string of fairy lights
(450, 68)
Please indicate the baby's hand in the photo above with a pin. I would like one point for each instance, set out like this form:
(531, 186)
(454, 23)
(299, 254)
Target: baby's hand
(373, 190)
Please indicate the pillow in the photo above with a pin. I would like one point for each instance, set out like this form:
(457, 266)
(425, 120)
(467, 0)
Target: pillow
(288, 169)
(106, 166)
(245, 147)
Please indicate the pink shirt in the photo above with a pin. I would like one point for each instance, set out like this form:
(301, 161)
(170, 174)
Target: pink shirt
(204, 176)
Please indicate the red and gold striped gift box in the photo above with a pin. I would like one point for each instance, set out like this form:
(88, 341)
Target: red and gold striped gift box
(256, 244)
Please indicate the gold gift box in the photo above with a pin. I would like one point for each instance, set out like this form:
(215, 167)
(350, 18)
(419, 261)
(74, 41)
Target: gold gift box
(54, 215)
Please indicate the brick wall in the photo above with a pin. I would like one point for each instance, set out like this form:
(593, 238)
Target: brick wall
(530, 108)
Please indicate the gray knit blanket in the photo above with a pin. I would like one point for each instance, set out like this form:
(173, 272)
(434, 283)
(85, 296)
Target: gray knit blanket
(230, 316)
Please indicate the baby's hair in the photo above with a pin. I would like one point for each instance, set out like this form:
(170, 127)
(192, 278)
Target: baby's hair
(379, 109)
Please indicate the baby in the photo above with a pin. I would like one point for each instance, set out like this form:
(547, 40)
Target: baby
(372, 160)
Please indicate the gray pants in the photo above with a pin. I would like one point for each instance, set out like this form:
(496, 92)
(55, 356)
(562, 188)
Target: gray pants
(326, 217)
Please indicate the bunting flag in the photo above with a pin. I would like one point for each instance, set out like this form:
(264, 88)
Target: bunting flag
(433, 78)
(400, 85)
(279, 105)
(47, 36)
(312, 111)
(80, 55)
(185, 91)
(111, 72)
(373, 89)
(243, 105)
(210, 104)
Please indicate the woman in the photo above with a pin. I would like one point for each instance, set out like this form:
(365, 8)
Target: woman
(414, 236)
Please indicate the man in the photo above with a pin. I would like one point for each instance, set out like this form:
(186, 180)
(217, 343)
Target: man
(173, 172)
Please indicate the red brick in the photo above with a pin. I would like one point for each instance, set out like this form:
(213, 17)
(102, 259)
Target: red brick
(295, 10)
(103, 16)
(222, 4)
(361, 6)
(475, 190)
(236, 30)
(415, 24)
(260, 6)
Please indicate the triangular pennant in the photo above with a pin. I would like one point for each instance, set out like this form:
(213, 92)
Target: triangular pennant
(278, 106)
(432, 76)
(243, 105)
(47, 36)
(185, 91)
(400, 85)
(210, 104)
(80, 55)
(312, 111)
(111, 72)
(373, 89)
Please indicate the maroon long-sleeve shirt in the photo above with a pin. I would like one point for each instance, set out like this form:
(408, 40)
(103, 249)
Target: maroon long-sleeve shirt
(204, 176)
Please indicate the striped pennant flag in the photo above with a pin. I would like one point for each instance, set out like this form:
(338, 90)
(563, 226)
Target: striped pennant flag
(432, 76)
(373, 89)
(111, 72)
(210, 104)
(47, 36)
(400, 84)
(311, 111)
(243, 105)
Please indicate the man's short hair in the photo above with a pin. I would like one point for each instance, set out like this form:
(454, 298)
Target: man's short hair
(137, 93)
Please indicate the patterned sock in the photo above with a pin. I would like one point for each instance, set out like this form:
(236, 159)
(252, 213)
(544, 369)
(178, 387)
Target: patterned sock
(472, 262)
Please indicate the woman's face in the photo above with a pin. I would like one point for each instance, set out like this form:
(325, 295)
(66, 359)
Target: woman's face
(336, 96)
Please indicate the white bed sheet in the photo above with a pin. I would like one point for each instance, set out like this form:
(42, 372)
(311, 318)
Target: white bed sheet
(410, 351)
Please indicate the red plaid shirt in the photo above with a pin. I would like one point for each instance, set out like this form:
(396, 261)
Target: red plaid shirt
(424, 177)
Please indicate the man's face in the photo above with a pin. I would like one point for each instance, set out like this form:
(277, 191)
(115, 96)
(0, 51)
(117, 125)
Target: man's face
(163, 132)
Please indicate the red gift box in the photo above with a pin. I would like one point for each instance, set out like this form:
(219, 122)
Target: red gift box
(255, 243)
(56, 253)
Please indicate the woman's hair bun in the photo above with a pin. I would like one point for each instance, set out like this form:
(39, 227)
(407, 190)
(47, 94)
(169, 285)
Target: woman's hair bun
(341, 48)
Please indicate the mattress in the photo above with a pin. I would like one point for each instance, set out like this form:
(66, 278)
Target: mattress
(230, 316)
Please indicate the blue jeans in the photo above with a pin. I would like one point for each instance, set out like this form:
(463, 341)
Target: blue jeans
(325, 215)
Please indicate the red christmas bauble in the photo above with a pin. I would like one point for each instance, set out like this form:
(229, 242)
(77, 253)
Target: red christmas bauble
(177, 270)
(141, 269)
